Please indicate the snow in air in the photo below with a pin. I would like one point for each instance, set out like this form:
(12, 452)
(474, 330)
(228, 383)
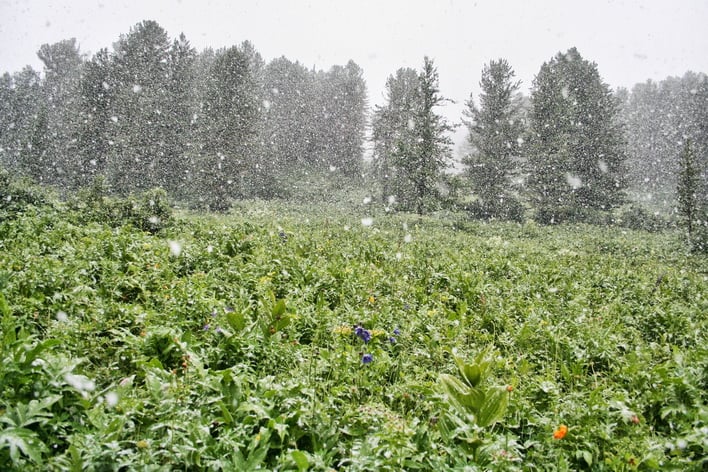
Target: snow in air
(175, 248)
(111, 399)
(573, 181)
(80, 382)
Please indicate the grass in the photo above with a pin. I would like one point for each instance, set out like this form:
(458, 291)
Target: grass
(230, 343)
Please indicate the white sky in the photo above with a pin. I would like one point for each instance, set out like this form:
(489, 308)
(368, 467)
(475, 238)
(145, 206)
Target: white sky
(631, 41)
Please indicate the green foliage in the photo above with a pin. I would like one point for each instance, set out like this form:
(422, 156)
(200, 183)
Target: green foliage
(482, 405)
(284, 338)
(16, 194)
(506, 208)
(149, 211)
(638, 218)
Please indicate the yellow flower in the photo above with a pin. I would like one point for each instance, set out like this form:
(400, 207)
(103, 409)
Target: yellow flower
(343, 330)
(372, 299)
(142, 444)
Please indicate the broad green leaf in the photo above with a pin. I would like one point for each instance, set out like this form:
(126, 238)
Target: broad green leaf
(22, 440)
(236, 320)
(279, 308)
(494, 406)
(300, 460)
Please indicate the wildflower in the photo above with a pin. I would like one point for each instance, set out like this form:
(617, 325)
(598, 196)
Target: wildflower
(372, 299)
(362, 333)
(397, 332)
(142, 444)
(509, 388)
(560, 432)
(634, 419)
(206, 327)
(392, 340)
(367, 359)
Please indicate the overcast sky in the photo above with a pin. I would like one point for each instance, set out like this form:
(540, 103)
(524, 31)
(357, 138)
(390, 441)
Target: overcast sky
(631, 41)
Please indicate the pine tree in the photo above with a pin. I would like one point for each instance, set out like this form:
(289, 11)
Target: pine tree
(392, 126)
(430, 154)
(688, 185)
(413, 145)
(495, 130)
(577, 149)
(342, 122)
(228, 130)
(139, 154)
(97, 131)
(61, 97)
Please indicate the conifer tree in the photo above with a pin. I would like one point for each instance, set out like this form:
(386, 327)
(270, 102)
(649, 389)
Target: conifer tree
(495, 130)
(416, 137)
(577, 149)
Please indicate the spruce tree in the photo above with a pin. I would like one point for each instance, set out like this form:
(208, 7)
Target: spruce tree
(688, 185)
(495, 130)
(577, 149)
(392, 125)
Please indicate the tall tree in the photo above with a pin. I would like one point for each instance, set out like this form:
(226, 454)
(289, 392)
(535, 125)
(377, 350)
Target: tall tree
(392, 126)
(688, 186)
(422, 151)
(577, 147)
(174, 173)
(495, 135)
(97, 131)
(342, 118)
(290, 115)
(61, 100)
(26, 141)
(228, 129)
(141, 64)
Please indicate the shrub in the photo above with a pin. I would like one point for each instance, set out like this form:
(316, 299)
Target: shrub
(149, 211)
(638, 218)
(16, 194)
(570, 214)
(508, 209)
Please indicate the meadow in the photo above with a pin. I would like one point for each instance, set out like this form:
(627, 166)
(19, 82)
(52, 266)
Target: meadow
(302, 337)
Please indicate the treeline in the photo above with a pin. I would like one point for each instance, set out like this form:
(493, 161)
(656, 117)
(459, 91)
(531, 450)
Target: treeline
(212, 127)
(572, 151)
(207, 126)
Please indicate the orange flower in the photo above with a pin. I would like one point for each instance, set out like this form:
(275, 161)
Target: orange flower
(560, 432)
(509, 388)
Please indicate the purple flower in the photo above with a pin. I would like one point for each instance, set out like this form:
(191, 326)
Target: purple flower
(397, 331)
(206, 327)
(392, 340)
(228, 309)
(362, 333)
(367, 359)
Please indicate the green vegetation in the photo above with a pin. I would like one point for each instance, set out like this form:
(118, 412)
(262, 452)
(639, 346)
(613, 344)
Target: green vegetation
(287, 337)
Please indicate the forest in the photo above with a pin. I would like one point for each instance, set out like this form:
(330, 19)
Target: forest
(214, 127)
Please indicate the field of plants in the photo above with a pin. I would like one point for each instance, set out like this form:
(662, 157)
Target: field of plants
(284, 337)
